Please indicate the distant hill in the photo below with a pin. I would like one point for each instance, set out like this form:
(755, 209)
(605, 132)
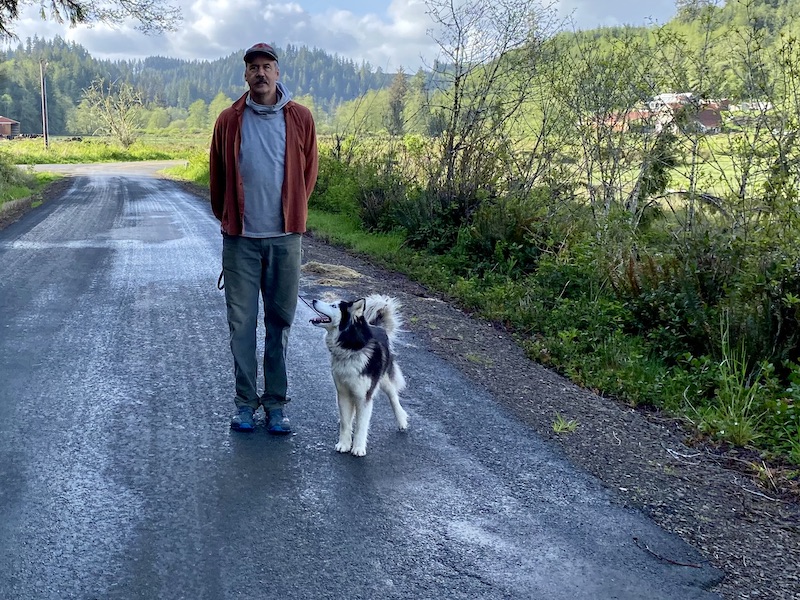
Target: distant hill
(168, 82)
(720, 32)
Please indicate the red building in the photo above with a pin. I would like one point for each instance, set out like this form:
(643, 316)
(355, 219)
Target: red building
(9, 127)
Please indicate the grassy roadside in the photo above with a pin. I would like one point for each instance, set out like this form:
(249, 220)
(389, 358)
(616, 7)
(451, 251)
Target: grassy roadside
(91, 150)
(19, 187)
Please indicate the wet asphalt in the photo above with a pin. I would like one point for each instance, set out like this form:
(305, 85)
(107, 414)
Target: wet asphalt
(120, 476)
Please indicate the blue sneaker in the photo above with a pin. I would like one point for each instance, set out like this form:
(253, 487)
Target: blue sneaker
(277, 423)
(243, 420)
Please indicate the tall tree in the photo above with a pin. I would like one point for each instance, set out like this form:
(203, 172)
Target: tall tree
(691, 10)
(217, 105)
(415, 107)
(603, 85)
(395, 124)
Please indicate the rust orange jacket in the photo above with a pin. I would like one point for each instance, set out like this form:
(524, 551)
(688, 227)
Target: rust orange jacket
(300, 172)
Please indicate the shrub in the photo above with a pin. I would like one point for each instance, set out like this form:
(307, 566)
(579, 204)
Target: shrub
(428, 222)
(14, 182)
(674, 298)
(380, 197)
(337, 186)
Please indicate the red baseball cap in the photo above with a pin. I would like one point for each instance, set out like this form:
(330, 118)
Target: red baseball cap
(260, 48)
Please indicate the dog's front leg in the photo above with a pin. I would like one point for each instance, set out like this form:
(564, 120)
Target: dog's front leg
(363, 416)
(346, 413)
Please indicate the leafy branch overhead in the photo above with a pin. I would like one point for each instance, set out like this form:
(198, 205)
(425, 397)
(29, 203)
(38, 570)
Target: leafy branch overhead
(151, 16)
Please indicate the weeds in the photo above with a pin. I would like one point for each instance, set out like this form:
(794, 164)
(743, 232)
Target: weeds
(16, 183)
(562, 425)
(735, 414)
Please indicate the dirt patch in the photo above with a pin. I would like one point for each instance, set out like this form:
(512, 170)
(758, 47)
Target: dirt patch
(330, 275)
(747, 526)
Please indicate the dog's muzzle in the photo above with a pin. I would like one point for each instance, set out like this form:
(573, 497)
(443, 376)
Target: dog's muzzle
(320, 319)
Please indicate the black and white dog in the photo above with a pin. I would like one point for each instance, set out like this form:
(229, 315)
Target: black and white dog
(359, 336)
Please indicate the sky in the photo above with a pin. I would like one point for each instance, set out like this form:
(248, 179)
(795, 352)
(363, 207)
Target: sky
(389, 34)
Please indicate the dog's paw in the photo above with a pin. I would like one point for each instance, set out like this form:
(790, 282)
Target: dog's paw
(343, 448)
(359, 451)
(402, 422)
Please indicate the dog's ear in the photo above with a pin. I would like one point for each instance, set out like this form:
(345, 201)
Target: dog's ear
(357, 309)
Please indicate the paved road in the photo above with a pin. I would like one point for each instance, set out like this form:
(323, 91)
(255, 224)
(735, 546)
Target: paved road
(120, 478)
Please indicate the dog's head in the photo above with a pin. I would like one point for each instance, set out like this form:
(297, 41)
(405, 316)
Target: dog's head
(338, 314)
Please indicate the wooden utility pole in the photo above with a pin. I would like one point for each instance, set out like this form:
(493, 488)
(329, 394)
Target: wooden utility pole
(42, 68)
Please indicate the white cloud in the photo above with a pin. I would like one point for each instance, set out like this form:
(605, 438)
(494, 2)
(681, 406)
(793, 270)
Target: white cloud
(607, 13)
(387, 34)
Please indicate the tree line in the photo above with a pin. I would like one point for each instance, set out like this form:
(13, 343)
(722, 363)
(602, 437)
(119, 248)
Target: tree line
(170, 85)
(346, 95)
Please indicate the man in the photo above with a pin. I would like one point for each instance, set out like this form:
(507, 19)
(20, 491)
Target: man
(263, 167)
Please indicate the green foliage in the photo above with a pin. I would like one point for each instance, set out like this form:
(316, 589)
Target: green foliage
(89, 150)
(430, 222)
(346, 231)
(381, 193)
(641, 329)
(17, 183)
(781, 417)
(198, 118)
(337, 186)
(195, 169)
(673, 298)
(14, 183)
(165, 82)
(738, 409)
(507, 234)
(115, 108)
(395, 122)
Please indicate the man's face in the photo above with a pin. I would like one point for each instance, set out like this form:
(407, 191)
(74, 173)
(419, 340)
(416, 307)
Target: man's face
(261, 75)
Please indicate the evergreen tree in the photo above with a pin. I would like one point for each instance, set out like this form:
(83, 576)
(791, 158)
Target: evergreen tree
(395, 123)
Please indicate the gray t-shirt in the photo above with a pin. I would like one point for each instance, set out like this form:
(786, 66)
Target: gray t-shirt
(261, 164)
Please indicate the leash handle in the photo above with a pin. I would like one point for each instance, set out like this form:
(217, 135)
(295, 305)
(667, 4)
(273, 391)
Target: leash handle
(220, 281)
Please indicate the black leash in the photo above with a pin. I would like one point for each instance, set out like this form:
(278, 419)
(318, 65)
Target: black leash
(306, 303)
(221, 286)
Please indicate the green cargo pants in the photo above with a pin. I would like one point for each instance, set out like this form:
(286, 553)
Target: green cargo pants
(271, 267)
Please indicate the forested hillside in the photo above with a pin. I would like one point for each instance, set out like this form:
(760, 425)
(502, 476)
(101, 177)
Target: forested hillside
(331, 84)
(164, 82)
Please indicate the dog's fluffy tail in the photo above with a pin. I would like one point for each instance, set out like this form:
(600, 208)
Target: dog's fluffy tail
(383, 311)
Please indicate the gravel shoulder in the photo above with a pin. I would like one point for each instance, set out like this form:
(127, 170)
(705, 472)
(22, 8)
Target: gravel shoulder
(711, 497)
